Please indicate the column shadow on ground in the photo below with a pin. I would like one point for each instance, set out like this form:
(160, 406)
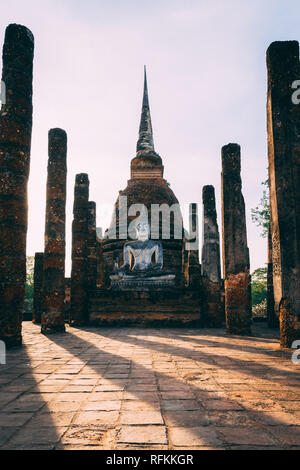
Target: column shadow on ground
(76, 345)
(21, 401)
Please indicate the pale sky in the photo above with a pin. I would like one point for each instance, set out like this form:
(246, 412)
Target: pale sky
(207, 87)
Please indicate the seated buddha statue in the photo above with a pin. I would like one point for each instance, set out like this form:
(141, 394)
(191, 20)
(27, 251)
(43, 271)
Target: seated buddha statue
(143, 259)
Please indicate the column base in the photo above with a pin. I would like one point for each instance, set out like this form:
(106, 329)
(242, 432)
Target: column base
(12, 341)
(239, 331)
(213, 304)
(11, 325)
(77, 323)
(238, 304)
(52, 329)
(289, 325)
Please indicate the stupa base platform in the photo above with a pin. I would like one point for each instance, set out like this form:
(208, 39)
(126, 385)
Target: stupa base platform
(171, 307)
(146, 284)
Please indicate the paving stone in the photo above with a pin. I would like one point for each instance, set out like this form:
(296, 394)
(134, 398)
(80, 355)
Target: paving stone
(78, 388)
(247, 436)
(177, 395)
(7, 397)
(88, 382)
(279, 418)
(109, 388)
(187, 419)
(41, 397)
(180, 405)
(23, 406)
(104, 405)
(143, 435)
(198, 436)
(140, 447)
(68, 396)
(141, 417)
(14, 419)
(72, 447)
(28, 446)
(221, 405)
(132, 405)
(255, 448)
(288, 436)
(105, 396)
(6, 433)
(142, 382)
(83, 435)
(59, 419)
(97, 418)
(21, 388)
(141, 388)
(116, 376)
(231, 418)
(262, 405)
(138, 395)
(174, 387)
(58, 406)
(47, 389)
(290, 405)
(29, 436)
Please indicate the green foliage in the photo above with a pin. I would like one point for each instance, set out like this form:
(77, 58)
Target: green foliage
(259, 286)
(261, 214)
(28, 301)
(260, 310)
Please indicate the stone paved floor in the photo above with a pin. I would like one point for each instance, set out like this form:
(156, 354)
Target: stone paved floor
(154, 389)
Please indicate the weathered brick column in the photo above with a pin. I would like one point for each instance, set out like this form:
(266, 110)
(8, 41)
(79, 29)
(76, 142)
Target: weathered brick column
(100, 260)
(92, 248)
(185, 265)
(272, 318)
(15, 143)
(284, 175)
(67, 297)
(211, 263)
(79, 275)
(38, 288)
(194, 268)
(236, 263)
(55, 228)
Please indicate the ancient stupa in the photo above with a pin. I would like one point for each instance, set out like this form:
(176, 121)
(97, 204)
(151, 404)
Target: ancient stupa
(146, 186)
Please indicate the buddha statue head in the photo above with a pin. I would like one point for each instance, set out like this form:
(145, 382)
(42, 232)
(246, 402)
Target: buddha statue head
(142, 231)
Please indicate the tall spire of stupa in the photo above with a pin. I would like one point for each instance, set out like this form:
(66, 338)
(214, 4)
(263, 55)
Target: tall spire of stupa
(145, 142)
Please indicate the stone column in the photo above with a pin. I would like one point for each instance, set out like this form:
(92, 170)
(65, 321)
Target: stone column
(99, 257)
(55, 228)
(92, 248)
(272, 318)
(38, 288)
(185, 264)
(284, 174)
(79, 281)
(238, 305)
(194, 268)
(67, 297)
(15, 143)
(211, 264)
